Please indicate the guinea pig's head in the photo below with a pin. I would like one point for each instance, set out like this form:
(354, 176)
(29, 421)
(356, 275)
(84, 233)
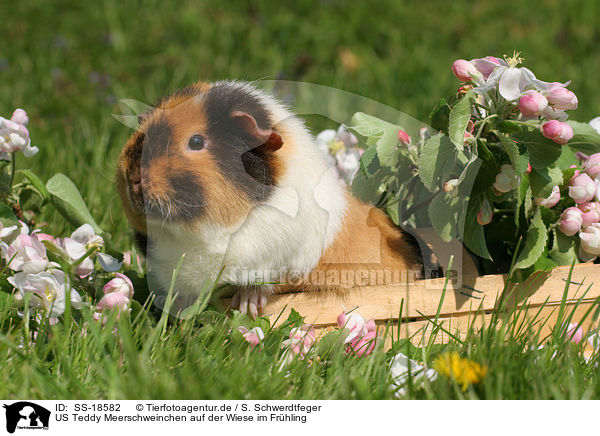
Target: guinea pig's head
(208, 152)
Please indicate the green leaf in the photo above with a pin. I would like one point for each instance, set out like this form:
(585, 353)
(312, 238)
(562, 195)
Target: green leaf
(472, 234)
(387, 147)
(564, 249)
(543, 180)
(537, 236)
(444, 212)
(331, 341)
(37, 183)
(7, 216)
(518, 157)
(459, 118)
(367, 125)
(544, 263)
(440, 116)
(66, 198)
(436, 161)
(543, 153)
(369, 162)
(585, 138)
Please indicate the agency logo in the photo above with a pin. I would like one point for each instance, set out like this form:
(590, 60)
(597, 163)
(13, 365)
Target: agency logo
(26, 415)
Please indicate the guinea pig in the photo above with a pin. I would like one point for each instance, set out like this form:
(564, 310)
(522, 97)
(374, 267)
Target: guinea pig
(232, 178)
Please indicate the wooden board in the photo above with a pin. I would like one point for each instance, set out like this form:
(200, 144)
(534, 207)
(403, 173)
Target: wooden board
(462, 300)
(420, 298)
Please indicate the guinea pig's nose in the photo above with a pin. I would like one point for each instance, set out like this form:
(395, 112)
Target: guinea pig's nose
(135, 182)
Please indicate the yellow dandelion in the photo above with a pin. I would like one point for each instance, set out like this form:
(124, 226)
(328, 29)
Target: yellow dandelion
(464, 371)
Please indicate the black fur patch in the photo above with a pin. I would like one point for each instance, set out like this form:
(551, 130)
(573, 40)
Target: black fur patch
(187, 198)
(157, 139)
(141, 241)
(248, 169)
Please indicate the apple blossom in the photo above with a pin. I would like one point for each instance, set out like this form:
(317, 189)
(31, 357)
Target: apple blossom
(532, 104)
(28, 254)
(252, 336)
(582, 188)
(48, 290)
(362, 334)
(354, 323)
(465, 71)
(549, 201)
(591, 165)
(507, 179)
(15, 136)
(591, 213)
(558, 131)
(590, 239)
(511, 81)
(401, 367)
(300, 340)
(570, 221)
(121, 284)
(561, 98)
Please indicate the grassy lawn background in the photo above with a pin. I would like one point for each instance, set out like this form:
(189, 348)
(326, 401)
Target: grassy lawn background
(69, 62)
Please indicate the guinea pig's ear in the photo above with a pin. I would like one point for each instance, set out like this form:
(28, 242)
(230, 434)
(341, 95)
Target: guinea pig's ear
(263, 140)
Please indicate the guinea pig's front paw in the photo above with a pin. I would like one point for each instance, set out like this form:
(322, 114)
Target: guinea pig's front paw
(249, 300)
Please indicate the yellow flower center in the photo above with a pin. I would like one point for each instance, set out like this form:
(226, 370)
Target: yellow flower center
(336, 146)
(514, 60)
(50, 294)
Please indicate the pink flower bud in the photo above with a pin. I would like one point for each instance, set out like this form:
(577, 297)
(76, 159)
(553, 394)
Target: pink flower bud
(20, 116)
(403, 137)
(570, 221)
(465, 71)
(562, 98)
(551, 200)
(574, 334)
(557, 131)
(528, 169)
(120, 284)
(582, 188)
(591, 165)
(113, 300)
(532, 104)
(590, 239)
(591, 213)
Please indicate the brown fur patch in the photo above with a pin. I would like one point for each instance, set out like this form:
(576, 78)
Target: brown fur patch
(368, 247)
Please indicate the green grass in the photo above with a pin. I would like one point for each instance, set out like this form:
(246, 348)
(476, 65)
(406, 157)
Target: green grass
(69, 62)
(143, 356)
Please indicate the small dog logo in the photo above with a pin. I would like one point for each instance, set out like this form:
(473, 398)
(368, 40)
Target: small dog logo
(26, 415)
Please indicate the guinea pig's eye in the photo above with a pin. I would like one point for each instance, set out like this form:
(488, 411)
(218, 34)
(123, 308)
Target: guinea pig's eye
(197, 142)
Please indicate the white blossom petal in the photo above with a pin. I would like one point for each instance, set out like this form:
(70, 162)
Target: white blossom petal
(509, 84)
(109, 263)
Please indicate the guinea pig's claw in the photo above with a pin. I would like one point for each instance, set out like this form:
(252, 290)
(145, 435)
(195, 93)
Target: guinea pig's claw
(249, 301)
